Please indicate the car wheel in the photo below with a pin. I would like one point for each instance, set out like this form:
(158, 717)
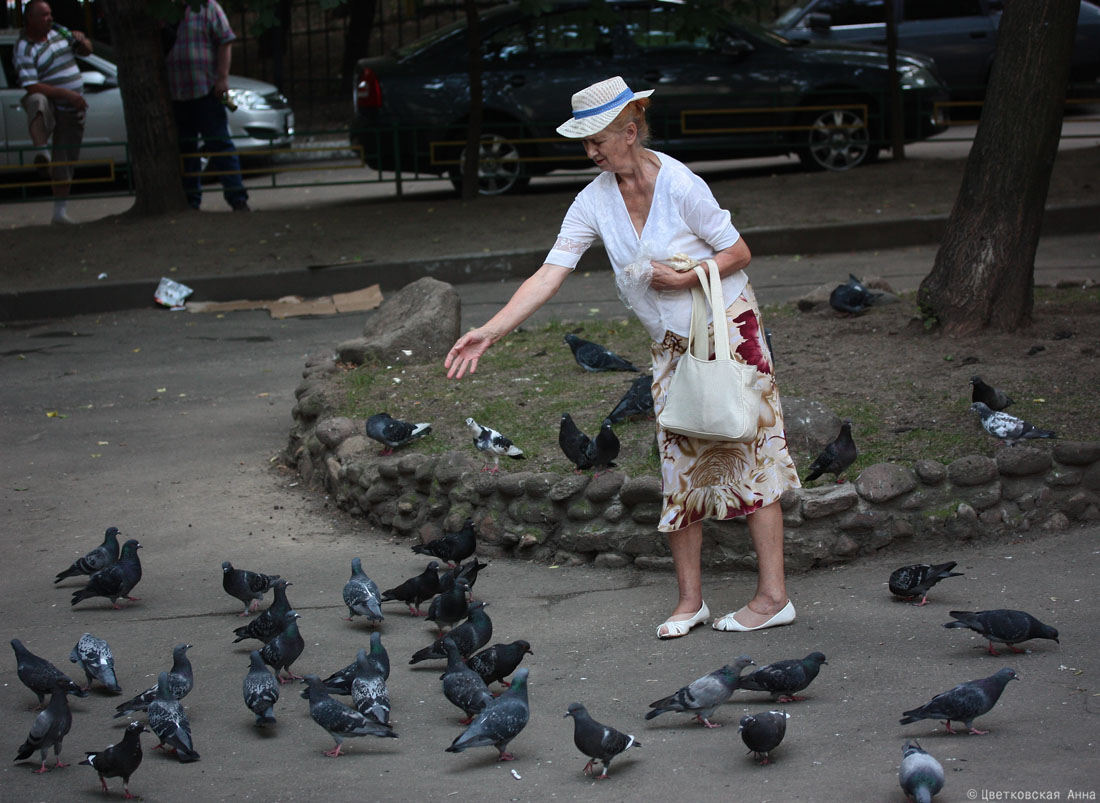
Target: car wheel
(838, 139)
(500, 170)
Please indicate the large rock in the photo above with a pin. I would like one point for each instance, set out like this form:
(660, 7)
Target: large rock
(810, 426)
(419, 324)
(885, 481)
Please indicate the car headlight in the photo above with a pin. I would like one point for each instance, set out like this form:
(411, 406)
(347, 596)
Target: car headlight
(912, 76)
(247, 99)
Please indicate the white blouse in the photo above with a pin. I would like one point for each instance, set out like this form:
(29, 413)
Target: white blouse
(684, 218)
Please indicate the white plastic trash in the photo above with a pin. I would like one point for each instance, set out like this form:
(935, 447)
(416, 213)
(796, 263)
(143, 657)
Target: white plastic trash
(171, 293)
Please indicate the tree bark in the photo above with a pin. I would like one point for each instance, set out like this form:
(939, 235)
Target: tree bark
(147, 107)
(984, 270)
(470, 163)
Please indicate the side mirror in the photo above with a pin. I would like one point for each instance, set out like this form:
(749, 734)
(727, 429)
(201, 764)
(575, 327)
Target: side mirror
(819, 22)
(95, 81)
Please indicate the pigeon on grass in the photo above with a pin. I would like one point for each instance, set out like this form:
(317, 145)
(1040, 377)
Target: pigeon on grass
(837, 456)
(271, 622)
(48, 730)
(393, 433)
(248, 587)
(339, 682)
(1003, 626)
(763, 732)
(596, 358)
(496, 663)
(469, 637)
(920, 775)
(597, 741)
(96, 659)
(284, 649)
(41, 676)
(917, 579)
(852, 297)
(574, 444)
(499, 722)
(453, 548)
(604, 449)
(181, 679)
(964, 703)
(1008, 428)
(636, 402)
(416, 590)
(783, 678)
(361, 595)
(338, 720)
(168, 721)
(119, 760)
(116, 580)
(703, 696)
(996, 400)
(462, 686)
(261, 690)
(99, 558)
(490, 442)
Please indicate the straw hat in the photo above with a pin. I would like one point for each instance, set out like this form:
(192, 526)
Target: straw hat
(596, 106)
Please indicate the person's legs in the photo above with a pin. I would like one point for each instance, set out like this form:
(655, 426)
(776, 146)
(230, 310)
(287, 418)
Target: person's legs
(214, 124)
(686, 546)
(187, 130)
(766, 531)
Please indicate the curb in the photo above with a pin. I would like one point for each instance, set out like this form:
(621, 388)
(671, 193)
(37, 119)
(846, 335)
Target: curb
(62, 302)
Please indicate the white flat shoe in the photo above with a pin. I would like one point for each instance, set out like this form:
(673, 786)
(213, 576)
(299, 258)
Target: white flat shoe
(785, 616)
(681, 627)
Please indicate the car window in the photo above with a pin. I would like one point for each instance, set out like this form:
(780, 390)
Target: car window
(852, 12)
(941, 9)
(9, 78)
(663, 28)
(567, 34)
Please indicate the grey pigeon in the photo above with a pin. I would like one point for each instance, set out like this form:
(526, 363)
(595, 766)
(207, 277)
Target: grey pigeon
(119, 760)
(181, 679)
(338, 720)
(783, 678)
(339, 682)
(248, 587)
(99, 558)
(463, 686)
(988, 395)
(49, 729)
(763, 732)
(574, 444)
(451, 547)
(964, 703)
(467, 571)
(598, 742)
(96, 659)
(469, 637)
(261, 690)
(271, 622)
(499, 722)
(1008, 428)
(1003, 626)
(604, 449)
(168, 721)
(917, 579)
(284, 649)
(361, 595)
(488, 441)
(852, 296)
(393, 433)
(368, 690)
(637, 401)
(837, 456)
(416, 590)
(116, 580)
(920, 775)
(496, 663)
(41, 676)
(450, 607)
(594, 357)
(701, 697)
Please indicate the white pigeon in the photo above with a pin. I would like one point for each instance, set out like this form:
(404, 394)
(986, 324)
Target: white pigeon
(1007, 427)
(488, 440)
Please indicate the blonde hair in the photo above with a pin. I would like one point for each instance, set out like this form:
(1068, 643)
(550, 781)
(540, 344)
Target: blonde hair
(633, 112)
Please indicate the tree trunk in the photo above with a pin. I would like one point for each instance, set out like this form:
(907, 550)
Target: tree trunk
(983, 273)
(150, 122)
(470, 162)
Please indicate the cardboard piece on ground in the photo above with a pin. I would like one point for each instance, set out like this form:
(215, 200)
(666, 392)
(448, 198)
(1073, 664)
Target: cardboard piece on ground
(358, 300)
(224, 306)
(290, 306)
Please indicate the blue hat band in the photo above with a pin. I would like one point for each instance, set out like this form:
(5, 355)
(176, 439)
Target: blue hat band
(618, 100)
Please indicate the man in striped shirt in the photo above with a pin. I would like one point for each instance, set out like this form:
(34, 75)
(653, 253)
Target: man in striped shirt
(55, 104)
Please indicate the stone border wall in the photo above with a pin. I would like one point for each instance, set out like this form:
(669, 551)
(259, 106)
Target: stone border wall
(611, 519)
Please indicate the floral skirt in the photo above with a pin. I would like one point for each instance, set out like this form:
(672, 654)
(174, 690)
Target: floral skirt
(705, 479)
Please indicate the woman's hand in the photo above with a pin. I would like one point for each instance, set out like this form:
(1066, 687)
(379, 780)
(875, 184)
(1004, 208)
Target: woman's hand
(667, 278)
(466, 351)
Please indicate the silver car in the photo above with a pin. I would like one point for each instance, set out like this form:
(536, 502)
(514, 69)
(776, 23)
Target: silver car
(262, 120)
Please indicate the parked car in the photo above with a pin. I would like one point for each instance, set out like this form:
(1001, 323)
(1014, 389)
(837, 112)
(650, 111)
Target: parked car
(726, 88)
(961, 35)
(263, 118)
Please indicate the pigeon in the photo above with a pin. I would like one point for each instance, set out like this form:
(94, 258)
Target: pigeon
(1004, 626)
(339, 720)
(837, 456)
(270, 623)
(49, 729)
(119, 760)
(451, 547)
(852, 296)
(574, 444)
(467, 571)
(41, 676)
(763, 732)
(361, 595)
(783, 678)
(393, 433)
(168, 721)
(988, 395)
(339, 682)
(117, 580)
(368, 690)
(416, 590)
(701, 697)
(248, 587)
(284, 649)
(99, 558)
(604, 449)
(636, 402)
(1008, 428)
(96, 659)
(451, 606)
(964, 703)
(598, 742)
(491, 442)
(260, 689)
(181, 679)
(594, 357)
(496, 663)
(917, 580)
(499, 722)
(469, 637)
(920, 775)
(462, 685)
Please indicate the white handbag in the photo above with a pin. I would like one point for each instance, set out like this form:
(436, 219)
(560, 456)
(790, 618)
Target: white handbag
(715, 399)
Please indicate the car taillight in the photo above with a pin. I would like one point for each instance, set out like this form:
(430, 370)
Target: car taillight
(368, 92)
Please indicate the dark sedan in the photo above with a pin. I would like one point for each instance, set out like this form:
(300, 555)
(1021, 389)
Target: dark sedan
(725, 89)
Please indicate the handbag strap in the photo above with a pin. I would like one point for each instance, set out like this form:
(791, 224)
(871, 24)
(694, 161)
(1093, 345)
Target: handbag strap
(709, 290)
